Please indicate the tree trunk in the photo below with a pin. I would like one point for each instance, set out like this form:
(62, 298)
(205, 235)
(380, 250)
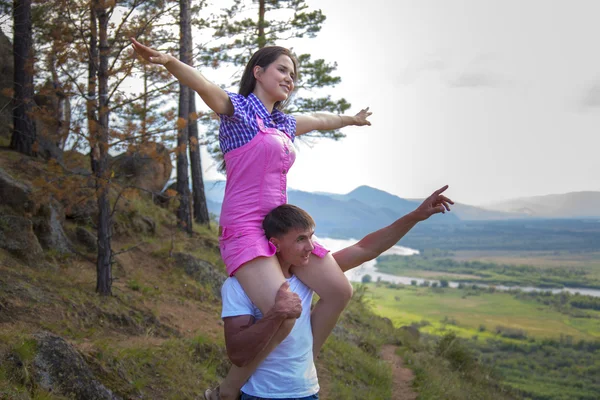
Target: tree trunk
(198, 196)
(24, 137)
(103, 263)
(261, 40)
(200, 208)
(184, 219)
(91, 101)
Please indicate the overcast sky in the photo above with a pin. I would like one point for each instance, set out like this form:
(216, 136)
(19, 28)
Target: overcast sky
(498, 99)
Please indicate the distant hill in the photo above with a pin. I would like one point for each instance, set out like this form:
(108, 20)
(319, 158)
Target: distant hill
(381, 199)
(360, 211)
(567, 205)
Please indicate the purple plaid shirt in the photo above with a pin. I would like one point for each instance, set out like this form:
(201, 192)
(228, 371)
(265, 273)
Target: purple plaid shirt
(241, 127)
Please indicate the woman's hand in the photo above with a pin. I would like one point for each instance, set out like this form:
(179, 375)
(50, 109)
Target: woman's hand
(148, 54)
(360, 119)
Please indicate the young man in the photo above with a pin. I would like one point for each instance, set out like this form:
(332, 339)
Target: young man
(288, 372)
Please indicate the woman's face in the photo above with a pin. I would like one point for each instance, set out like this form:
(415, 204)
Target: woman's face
(277, 79)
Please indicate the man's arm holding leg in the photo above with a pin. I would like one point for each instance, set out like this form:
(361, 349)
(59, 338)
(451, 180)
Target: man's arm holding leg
(245, 339)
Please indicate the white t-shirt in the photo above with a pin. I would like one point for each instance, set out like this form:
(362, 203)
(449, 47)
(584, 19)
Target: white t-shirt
(289, 371)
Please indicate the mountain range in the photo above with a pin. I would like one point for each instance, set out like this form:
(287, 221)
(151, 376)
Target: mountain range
(567, 205)
(365, 209)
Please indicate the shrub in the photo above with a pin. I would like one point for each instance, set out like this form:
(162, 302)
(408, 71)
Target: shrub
(449, 321)
(413, 283)
(444, 283)
(452, 349)
(366, 279)
(511, 333)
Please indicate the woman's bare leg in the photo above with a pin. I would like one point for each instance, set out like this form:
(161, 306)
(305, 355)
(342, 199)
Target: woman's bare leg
(261, 278)
(324, 276)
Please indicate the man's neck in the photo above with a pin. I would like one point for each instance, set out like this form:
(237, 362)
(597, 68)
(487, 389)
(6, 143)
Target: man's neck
(285, 267)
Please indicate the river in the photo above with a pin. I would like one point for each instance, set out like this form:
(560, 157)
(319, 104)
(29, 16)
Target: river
(356, 274)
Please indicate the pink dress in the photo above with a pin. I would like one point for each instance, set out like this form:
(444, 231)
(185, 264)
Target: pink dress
(256, 184)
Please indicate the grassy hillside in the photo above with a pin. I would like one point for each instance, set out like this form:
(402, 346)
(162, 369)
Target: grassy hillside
(159, 336)
(542, 346)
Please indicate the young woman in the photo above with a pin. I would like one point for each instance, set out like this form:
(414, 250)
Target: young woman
(256, 139)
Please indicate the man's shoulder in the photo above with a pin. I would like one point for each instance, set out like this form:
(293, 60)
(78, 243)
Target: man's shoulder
(232, 288)
(298, 287)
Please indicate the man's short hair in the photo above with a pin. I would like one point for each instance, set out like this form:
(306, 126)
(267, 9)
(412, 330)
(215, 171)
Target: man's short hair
(284, 218)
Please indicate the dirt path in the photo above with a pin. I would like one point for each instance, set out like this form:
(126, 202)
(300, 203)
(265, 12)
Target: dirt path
(401, 377)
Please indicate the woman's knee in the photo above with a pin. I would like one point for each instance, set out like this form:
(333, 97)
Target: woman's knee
(345, 291)
(339, 292)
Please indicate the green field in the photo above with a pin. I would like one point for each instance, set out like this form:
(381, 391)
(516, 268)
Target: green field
(478, 312)
(541, 269)
(540, 345)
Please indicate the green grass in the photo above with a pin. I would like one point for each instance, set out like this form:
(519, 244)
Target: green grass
(414, 304)
(542, 351)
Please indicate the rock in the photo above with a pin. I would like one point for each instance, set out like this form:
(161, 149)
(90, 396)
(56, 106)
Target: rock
(47, 225)
(15, 194)
(58, 368)
(143, 224)
(87, 238)
(51, 120)
(148, 168)
(86, 211)
(17, 236)
(203, 271)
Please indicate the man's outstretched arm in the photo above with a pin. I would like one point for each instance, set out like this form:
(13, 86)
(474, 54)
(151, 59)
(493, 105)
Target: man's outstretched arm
(375, 243)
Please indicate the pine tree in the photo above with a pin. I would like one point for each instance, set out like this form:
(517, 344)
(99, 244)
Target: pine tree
(184, 219)
(242, 29)
(101, 29)
(198, 196)
(24, 136)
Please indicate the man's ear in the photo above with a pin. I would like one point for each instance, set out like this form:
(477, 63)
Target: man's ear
(275, 242)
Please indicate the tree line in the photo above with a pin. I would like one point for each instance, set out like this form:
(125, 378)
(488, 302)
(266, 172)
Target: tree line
(105, 101)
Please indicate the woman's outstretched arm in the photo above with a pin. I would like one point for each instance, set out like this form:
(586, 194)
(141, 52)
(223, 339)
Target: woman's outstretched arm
(326, 122)
(214, 97)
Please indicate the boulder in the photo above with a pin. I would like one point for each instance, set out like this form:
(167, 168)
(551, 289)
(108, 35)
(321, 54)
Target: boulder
(203, 271)
(86, 210)
(58, 368)
(51, 119)
(17, 236)
(148, 168)
(15, 194)
(47, 225)
(87, 238)
(143, 224)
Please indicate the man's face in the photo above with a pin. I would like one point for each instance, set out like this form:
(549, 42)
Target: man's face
(295, 246)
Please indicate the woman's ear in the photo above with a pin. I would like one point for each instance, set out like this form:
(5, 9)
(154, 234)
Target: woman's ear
(257, 71)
